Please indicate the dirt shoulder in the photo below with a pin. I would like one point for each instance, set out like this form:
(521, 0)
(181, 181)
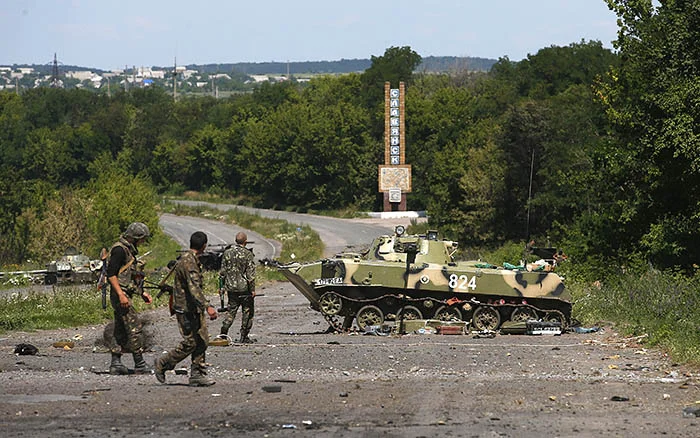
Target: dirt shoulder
(349, 385)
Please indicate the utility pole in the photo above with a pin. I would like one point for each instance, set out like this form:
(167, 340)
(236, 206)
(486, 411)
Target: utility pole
(126, 79)
(55, 81)
(109, 92)
(175, 80)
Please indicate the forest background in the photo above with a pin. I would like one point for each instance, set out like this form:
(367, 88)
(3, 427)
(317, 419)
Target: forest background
(596, 151)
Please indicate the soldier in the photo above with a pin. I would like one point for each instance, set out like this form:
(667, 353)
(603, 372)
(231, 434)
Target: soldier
(123, 275)
(189, 305)
(237, 278)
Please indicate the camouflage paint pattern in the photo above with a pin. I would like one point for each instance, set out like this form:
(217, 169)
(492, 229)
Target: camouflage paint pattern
(433, 274)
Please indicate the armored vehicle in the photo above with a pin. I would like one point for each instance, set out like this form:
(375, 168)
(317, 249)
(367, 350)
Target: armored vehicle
(402, 277)
(72, 267)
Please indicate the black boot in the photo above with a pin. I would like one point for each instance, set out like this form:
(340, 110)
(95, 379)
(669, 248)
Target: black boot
(161, 366)
(245, 339)
(116, 368)
(198, 377)
(140, 365)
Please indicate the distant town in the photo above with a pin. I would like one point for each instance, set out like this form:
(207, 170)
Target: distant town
(214, 79)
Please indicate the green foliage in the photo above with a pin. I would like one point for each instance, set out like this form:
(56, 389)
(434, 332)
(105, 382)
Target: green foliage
(64, 223)
(65, 307)
(663, 306)
(396, 65)
(652, 100)
(118, 200)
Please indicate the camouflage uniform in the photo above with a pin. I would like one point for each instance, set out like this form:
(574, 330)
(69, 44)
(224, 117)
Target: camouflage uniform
(238, 278)
(127, 325)
(189, 305)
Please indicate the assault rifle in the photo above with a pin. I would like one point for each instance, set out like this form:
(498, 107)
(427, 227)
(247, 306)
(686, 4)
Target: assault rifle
(102, 282)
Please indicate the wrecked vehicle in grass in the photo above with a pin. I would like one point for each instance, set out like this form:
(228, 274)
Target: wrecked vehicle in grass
(412, 277)
(72, 267)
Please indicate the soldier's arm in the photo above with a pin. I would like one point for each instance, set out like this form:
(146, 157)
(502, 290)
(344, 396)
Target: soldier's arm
(195, 284)
(117, 259)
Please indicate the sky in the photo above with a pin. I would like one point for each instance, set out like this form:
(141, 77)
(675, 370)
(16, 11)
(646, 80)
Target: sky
(112, 34)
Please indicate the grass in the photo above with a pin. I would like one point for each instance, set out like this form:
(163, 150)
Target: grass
(663, 305)
(65, 307)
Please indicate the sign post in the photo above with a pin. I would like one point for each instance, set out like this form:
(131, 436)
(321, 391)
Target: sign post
(394, 174)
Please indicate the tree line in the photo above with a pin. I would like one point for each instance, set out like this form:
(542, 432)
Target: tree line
(592, 149)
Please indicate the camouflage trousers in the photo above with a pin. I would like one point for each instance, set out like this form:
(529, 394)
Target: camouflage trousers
(247, 304)
(193, 328)
(127, 328)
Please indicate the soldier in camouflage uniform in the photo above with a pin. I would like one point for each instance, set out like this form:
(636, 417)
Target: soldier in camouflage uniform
(237, 276)
(189, 305)
(123, 273)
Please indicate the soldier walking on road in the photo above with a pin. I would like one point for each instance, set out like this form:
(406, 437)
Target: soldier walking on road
(189, 305)
(237, 279)
(123, 275)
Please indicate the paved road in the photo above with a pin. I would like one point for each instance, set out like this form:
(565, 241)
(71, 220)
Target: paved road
(337, 234)
(181, 228)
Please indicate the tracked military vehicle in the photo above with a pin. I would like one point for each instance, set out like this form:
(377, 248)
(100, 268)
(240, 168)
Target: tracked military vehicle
(403, 277)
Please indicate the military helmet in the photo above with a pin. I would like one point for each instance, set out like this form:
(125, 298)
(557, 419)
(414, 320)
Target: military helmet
(137, 230)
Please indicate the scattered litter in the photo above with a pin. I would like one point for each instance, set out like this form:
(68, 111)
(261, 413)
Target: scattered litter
(619, 398)
(307, 422)
(285, 381)
(450, 330)
(378, 330)
(343, 394)
(26, 350)
(272, 388)
(425, 331)
(221, 341)
(583, 330)
(666, 396)
(543, 327)
(289, 426)
(94, 391)
(78, 337)
(64, 343)
(691, 412)
(484, 334)
(553, 397)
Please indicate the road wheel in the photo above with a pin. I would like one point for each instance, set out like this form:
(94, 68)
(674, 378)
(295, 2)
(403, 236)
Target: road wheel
(486, 318)
(330, 303)
(409, 313)
(369, 316)
(447, 313)
(555, 316)
(523, 314)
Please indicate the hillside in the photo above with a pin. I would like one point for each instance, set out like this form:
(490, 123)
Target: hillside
(433, 64)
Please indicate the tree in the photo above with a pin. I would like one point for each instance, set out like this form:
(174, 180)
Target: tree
(653, 100)
(396, 65)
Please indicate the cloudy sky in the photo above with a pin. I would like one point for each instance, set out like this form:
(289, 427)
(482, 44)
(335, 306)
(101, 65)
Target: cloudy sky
(110, 34)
